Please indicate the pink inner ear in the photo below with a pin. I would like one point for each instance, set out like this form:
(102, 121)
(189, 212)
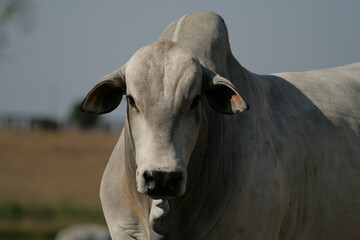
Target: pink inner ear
(235, 99)
(237, 103)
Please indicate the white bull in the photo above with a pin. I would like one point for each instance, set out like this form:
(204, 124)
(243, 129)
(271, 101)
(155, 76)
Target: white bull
(187, 167)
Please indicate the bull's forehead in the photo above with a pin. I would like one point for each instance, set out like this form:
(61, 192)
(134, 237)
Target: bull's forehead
(163, 77)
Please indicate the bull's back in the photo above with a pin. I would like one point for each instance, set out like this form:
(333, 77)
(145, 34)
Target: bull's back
(335, 91)
(323, 119)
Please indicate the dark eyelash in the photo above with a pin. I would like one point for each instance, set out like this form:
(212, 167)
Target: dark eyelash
(131, 101)
(195, 102)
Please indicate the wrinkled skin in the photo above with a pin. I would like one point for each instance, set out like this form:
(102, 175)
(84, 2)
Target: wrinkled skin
(192, 164)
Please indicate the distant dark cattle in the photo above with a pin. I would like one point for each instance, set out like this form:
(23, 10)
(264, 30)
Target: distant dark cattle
(44, 124)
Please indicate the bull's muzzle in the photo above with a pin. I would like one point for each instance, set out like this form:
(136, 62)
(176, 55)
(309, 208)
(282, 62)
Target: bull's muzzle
(161, 184)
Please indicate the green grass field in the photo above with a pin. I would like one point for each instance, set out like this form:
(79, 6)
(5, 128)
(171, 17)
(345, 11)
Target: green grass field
(40, 222)
(50, 180)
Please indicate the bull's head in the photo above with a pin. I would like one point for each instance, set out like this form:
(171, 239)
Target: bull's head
(167, 91)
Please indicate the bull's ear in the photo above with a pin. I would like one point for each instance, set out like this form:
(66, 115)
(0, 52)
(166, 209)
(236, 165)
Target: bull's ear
(221, 94)
(106, 95)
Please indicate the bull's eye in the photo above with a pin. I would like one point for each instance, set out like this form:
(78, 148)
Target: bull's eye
(131, 102)
(195, 102)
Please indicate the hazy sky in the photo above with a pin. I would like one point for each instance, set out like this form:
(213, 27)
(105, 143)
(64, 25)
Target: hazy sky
(74, 43)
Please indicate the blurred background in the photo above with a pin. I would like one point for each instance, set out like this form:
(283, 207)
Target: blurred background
(52, 52)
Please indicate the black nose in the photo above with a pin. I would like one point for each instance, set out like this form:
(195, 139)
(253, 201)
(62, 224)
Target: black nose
(161, 184)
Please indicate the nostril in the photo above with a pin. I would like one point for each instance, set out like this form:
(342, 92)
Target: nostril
(150, 179)
(173, 180)
(174, 177)
(149, 176)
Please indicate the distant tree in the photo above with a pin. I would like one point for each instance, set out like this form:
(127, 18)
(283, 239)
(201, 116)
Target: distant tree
(14, 10)
(83, 120)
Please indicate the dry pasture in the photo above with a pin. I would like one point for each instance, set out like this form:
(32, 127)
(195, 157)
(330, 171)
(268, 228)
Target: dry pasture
(53, 167)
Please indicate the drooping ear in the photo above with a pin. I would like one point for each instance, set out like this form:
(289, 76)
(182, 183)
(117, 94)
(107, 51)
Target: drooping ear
(107, 93)
(221, 94)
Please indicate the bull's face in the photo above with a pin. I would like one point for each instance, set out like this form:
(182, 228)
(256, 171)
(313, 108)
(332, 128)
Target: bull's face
(167, 90)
